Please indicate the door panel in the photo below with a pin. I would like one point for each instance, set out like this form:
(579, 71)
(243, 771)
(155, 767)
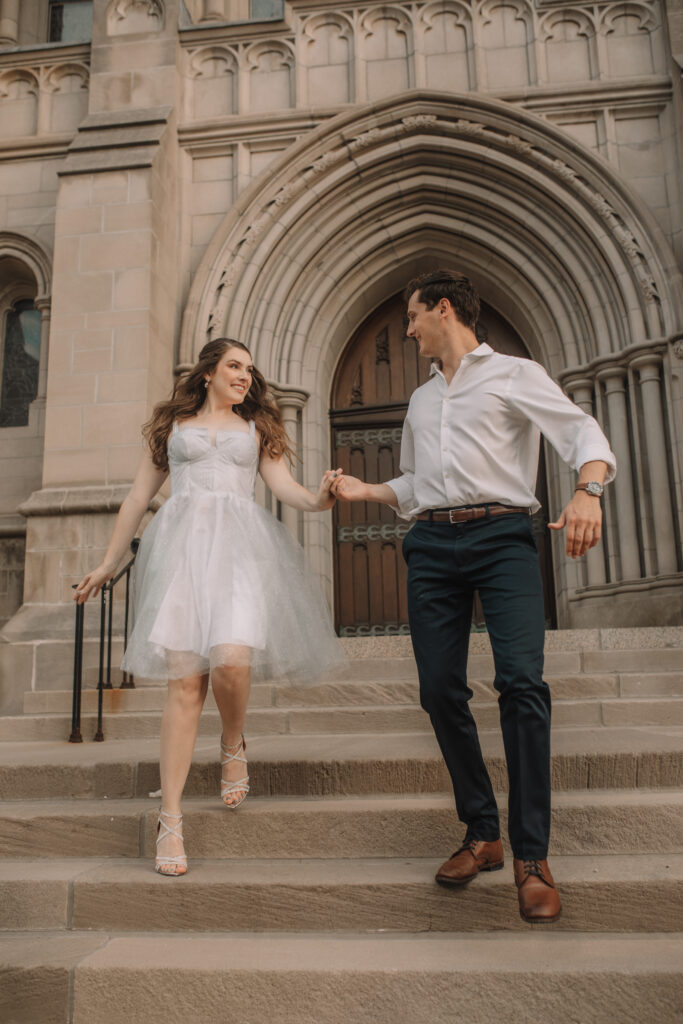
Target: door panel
(377, 374)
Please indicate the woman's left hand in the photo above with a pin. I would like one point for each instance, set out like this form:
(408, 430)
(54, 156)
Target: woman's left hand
(324, 498)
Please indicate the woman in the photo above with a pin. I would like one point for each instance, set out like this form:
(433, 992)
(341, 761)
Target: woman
(222, 589)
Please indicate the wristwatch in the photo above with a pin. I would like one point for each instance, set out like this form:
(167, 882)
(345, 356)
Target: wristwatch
(592, 487)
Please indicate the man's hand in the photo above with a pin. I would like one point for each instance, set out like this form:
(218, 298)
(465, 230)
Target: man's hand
(583, 519)
(349, 488)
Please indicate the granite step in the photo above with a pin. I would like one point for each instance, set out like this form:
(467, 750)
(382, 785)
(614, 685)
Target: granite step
(390, 718)
(557, 977)
(642, 892)
(589, 821)
(336, 765)
(359, 694)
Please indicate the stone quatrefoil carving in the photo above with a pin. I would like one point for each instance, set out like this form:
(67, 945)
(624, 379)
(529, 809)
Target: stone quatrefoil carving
(471, 130)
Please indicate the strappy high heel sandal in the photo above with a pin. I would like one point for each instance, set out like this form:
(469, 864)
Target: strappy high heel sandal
(178, 865)
(241, 786)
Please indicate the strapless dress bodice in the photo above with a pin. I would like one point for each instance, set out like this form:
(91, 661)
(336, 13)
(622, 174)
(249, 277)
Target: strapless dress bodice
(226, 466)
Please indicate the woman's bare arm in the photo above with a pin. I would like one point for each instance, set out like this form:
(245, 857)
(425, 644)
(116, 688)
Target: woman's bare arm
(148, 480)
(277, 476)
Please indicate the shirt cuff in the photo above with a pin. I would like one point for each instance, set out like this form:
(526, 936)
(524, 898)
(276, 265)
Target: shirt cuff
(403, 490)
(598, 453)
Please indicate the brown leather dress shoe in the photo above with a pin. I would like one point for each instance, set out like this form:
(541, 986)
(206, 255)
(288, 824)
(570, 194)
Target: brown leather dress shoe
(473, 856)
(539, 900)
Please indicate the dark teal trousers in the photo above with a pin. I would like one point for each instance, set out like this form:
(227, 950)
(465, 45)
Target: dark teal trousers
(496, 556)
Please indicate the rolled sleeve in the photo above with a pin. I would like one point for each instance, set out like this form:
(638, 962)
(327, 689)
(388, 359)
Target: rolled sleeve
(404, 486)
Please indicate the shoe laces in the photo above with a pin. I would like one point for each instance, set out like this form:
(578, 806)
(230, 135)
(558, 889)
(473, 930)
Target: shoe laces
(468, 844)
(533, 867)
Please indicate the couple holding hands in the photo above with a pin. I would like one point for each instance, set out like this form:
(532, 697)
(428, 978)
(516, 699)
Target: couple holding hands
(223, 591)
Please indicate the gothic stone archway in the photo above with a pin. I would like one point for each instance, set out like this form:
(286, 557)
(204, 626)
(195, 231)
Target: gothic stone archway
(549, 234)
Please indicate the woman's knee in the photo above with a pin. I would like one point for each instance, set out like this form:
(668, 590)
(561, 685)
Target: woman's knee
(189, 691)
(230, 677)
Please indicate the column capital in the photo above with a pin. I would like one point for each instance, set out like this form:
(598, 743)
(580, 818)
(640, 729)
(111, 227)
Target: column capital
(613, 377)
(287, 396)
(43, 303)
(578, 384)
(647, 365)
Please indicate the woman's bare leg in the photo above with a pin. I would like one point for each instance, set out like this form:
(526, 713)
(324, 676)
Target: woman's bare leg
(231, 685)
(179, 725)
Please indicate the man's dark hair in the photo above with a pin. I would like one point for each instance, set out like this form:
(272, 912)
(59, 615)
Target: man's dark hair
(447, 284)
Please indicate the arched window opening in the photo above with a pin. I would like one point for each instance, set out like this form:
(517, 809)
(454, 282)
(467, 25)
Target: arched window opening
(20, 362)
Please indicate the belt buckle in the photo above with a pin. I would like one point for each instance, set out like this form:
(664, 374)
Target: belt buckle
(451, 513)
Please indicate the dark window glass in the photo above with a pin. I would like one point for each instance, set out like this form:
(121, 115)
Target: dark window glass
(265, 10)
(20, 361)
(70, 21)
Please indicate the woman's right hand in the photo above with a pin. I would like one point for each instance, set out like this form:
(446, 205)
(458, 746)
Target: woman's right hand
(91, 584)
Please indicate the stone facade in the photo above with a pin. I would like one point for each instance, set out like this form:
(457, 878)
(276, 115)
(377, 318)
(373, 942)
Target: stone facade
(277, 171)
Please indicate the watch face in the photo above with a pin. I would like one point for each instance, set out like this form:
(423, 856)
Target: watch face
(594, 488)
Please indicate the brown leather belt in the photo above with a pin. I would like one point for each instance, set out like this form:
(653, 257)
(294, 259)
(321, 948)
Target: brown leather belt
(466, 515)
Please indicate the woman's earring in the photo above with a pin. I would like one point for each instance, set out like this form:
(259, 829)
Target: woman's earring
(206, 383)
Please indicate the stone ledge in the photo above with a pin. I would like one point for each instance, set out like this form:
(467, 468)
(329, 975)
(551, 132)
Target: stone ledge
(61, 501)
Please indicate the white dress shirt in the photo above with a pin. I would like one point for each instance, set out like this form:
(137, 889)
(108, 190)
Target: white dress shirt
(477, 439)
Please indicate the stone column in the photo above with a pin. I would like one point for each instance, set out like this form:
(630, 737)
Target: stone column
(290, 401)
(44, 306)
(9, 22)
(581, 392)
(648, 367)
(614, 379)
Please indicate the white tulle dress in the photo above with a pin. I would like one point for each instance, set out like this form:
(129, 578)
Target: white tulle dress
(218, 580)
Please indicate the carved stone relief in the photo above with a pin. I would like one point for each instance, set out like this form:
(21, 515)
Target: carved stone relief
(125, 17)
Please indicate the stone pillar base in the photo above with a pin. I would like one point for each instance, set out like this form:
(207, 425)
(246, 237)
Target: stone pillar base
(657, 601)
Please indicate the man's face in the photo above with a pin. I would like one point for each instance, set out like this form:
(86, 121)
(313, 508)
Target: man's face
(423, 325)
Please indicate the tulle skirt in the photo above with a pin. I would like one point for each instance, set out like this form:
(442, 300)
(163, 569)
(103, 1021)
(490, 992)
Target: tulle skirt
(218, 580)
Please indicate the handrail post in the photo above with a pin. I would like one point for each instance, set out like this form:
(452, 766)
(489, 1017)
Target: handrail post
(108, 684)
(76, 736)
(127, 681)
(106, 630)
(99, 735)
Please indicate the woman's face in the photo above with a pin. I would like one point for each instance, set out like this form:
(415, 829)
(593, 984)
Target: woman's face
(232, 377)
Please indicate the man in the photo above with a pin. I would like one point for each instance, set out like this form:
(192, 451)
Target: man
(469, 458)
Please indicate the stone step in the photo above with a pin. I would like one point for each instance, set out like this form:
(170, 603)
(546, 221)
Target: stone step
(348, 719)
(337, 765)
(557, 977)
(49, 661)
(618, 893)
(588, 822)
(358, 694)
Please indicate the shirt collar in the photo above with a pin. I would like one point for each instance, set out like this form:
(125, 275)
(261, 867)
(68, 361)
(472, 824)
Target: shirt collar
(484, 349)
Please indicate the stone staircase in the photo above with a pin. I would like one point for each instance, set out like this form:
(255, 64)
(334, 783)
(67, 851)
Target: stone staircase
(315, 902)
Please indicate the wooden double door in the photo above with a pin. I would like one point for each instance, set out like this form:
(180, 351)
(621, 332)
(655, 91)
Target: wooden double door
(377, 374)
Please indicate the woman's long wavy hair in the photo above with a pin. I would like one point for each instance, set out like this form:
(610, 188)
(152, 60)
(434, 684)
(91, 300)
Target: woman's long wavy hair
(189, 395)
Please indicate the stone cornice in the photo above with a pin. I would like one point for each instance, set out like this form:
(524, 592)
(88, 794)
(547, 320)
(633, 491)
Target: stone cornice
(30, 147)
(63, 501)
(542, 99)
(47, 53)
(654, 346)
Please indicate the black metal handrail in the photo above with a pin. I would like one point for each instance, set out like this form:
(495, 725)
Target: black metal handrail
(106, 628)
